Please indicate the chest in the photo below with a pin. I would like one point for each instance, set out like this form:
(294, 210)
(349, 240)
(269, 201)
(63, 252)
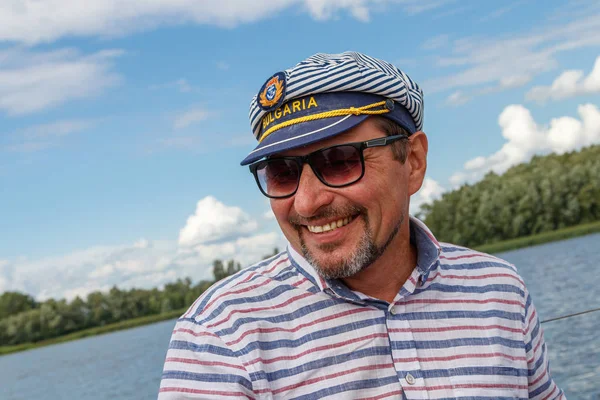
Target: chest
(421, 348)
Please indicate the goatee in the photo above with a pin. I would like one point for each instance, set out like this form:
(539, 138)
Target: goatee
(365, 254)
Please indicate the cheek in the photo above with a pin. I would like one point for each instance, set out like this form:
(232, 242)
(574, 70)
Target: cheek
(281, 210)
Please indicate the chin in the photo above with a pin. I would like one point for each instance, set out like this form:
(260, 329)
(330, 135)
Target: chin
(339, 263)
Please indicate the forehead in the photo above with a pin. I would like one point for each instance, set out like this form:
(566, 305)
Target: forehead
(366, 130)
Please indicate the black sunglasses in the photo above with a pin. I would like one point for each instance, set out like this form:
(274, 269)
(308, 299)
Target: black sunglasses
(336, 166)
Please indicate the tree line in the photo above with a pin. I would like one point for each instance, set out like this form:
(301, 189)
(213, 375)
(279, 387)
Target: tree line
(25, 320)
(548, 193)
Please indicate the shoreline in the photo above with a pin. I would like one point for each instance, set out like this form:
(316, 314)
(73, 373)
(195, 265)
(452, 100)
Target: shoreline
(90, 332)
(498, 247)
(540, 238)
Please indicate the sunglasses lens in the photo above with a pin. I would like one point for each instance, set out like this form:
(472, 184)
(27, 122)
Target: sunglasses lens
(339, 165)
(278, 177)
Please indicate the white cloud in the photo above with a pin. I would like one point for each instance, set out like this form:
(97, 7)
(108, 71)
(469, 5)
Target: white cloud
(452, 12)
(512, 61)
(501, 11)
(182, 85)
(144, 263)
(46, 21)
(246, 250)
(190, 116)
(524, 138)
(413, 7)
(476, 163)
(5, 275)
(513, 81)
(435, 42)
(33, 81)
(403, 63)
(39, 137)
(89, 269)
(269, 214)
(461, 97)
(214, 221)
(458, 98)
(430, 190)
(568, 84)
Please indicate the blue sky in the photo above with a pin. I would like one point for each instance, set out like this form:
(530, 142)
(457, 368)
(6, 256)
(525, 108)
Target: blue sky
(122, 124)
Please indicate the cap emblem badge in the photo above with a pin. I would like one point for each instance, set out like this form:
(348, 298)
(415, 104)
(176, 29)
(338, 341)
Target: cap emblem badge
(271, 95)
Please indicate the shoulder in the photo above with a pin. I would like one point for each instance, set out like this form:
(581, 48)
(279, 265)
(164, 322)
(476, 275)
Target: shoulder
(473, 264)
(458, 257)
(258, 281)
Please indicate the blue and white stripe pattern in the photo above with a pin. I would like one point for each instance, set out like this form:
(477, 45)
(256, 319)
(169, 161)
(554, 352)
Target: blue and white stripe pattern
(349, 71)
(462, 326)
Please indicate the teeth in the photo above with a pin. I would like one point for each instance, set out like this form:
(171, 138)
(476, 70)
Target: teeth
(330, 226)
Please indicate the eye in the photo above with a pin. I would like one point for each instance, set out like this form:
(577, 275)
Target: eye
(278, 172)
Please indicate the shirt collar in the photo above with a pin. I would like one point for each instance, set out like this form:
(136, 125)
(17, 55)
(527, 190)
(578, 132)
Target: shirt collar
(306, 269)
(428, 252)
(428, 248)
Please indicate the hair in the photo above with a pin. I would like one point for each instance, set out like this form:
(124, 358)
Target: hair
(391, 128)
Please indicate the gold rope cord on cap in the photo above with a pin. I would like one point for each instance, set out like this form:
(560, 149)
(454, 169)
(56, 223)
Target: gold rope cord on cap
(364, 110)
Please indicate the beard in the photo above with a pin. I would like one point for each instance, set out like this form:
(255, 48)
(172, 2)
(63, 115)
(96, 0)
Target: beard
(365, 253)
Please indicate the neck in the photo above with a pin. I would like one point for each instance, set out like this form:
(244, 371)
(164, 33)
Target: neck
(385, 277)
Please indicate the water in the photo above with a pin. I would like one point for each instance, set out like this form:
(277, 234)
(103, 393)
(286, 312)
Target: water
(120, 365)
(563, 277)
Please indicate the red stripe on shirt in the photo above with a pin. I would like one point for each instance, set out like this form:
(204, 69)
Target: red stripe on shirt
(207, 363)
(461, 301)
(383, 396)
(301, 326)
(285, 303)
(202, 391)
(486, 276)
(454, 328)
(470, 255)
(467, 386)
(197, 334)
(458, 356)
(316, 349)
(331, 376)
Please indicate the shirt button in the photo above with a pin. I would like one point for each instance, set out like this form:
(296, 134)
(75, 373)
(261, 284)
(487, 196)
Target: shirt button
(410, 379)
(393, 311)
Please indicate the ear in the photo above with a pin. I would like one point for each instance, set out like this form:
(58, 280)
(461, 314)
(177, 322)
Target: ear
(417, 161)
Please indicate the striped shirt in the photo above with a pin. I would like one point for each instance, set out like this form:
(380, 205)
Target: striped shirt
(462, 326)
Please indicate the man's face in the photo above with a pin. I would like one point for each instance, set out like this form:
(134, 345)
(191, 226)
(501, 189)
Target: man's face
(368, 215)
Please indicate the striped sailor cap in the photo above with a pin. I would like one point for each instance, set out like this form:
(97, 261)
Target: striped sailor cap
(327, 94)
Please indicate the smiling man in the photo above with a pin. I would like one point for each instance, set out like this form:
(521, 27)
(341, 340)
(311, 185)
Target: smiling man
(364, 302)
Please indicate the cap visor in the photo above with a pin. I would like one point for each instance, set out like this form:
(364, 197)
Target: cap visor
(295, 136)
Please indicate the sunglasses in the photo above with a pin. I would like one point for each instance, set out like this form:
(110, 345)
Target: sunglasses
(336, 166)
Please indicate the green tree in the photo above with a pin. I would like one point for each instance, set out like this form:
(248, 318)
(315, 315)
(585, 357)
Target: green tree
(12, 303)
(219, 271)
(550, 192)
(233, 267)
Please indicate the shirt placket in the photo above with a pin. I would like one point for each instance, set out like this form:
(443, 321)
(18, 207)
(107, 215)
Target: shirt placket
(404, 349)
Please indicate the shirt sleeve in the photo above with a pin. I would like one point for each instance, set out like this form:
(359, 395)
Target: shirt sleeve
(199, 365)
(541, 385)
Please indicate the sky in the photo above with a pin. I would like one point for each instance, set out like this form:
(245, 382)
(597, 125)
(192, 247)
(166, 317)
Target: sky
(123, 122)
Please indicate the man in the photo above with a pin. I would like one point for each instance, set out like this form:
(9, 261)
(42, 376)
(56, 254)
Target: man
(365, 302)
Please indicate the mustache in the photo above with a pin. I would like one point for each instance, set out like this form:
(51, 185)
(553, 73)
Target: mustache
(327, 212)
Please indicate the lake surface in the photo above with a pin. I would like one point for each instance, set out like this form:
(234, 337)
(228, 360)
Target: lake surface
(563, 278)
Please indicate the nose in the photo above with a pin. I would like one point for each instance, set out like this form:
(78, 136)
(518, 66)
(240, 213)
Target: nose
(312, 194)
